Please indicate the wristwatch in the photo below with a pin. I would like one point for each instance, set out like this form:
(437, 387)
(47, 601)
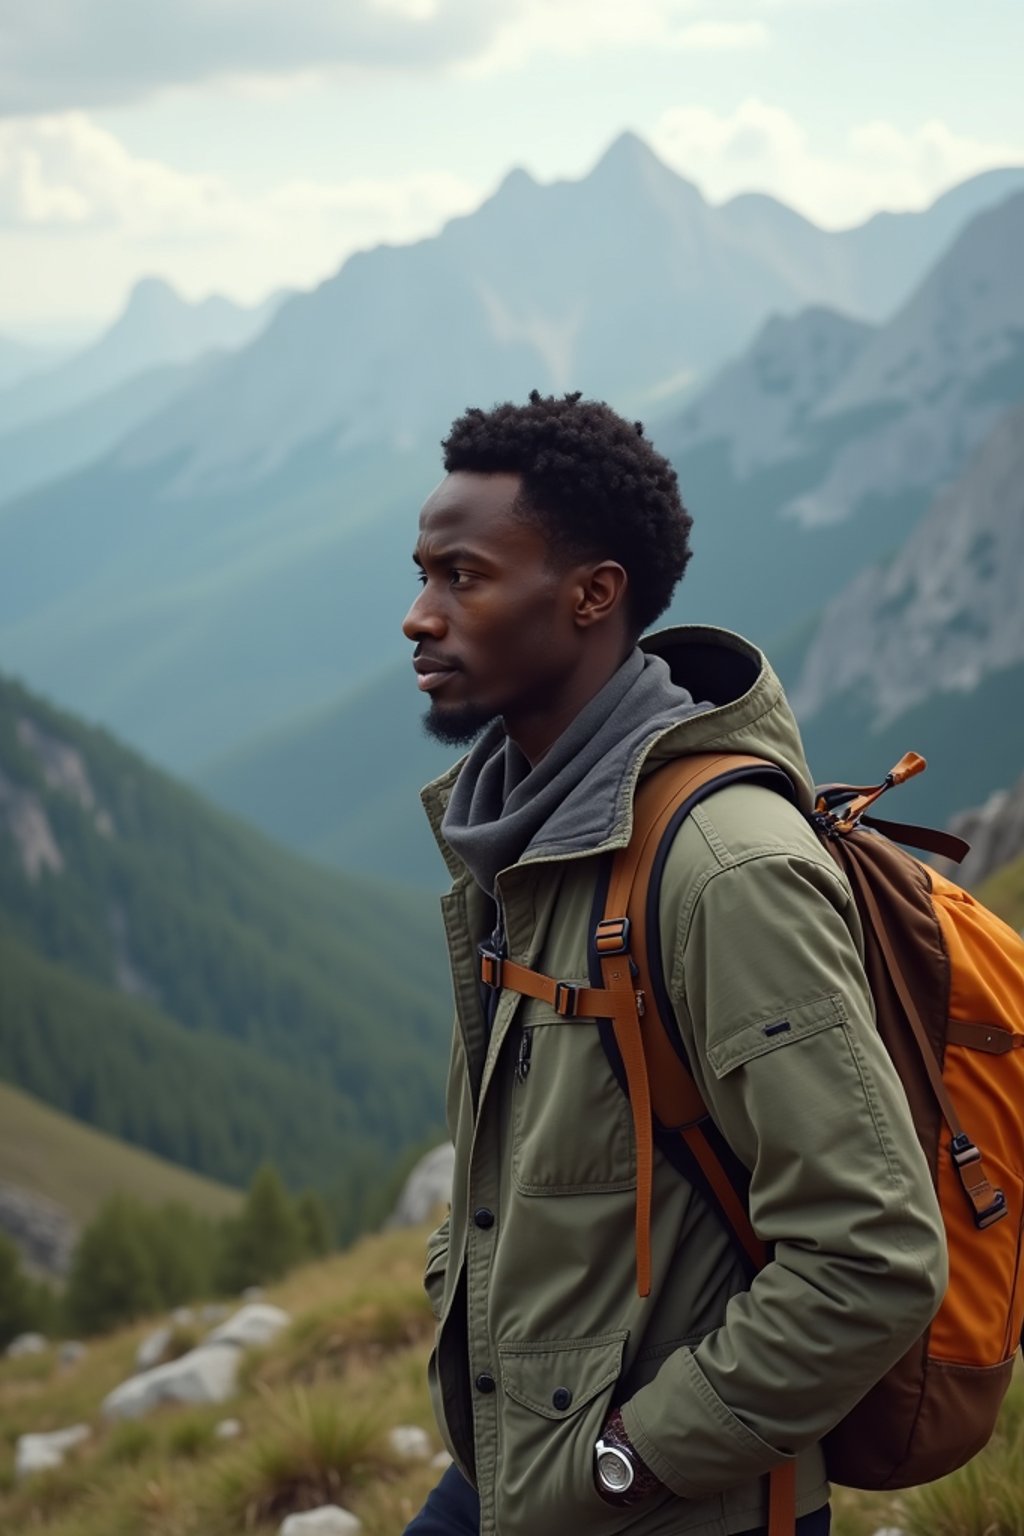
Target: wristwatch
(620, 1476)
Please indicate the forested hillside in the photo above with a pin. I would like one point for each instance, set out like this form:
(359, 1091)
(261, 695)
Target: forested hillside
(175, 979)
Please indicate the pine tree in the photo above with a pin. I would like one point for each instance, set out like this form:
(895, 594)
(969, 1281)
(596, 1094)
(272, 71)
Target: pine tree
(316, 1224)
(16, 1310)
(112, 1277)
(266, 1239)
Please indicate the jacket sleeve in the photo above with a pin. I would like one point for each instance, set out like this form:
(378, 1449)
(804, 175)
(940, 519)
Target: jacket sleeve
(773, 1003)
(437, 1263)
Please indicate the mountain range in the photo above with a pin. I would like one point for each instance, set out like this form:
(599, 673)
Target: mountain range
(234, 561)
(224, 584)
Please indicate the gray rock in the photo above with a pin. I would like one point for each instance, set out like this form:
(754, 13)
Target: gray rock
(995, 832)
(71, 1351)
(228, 1429)
(213, 1312)
(410, 1442)
(428, 1186)
(253, 1293)
(441, 1462)
(41, 1453)
(153, 1348)
(183, 1317)
(328, 1520)
(26, 1344)
(250, 1328)
(43, 1231)
(205, 1375)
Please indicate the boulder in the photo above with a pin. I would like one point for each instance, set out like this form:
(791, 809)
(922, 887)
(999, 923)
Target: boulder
(328, 1520)
(213, 1312)
(71, 1351)
(427, 1187)
(153, 1348)
(26, 1344)
(410, 1442)
(228, 1429)
(250, 1328)
(253, 1293)
(441, 1462)
(205, 1375)
(41, 1453)
(183, 1317)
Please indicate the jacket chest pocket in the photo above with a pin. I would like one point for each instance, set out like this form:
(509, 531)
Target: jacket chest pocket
(572, 1131)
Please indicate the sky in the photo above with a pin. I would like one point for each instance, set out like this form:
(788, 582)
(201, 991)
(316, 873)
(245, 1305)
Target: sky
(240, 146)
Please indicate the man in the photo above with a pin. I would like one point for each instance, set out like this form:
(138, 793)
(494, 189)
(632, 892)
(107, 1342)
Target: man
(555, 540)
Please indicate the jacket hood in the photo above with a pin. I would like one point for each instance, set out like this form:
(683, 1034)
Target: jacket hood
(749, 713)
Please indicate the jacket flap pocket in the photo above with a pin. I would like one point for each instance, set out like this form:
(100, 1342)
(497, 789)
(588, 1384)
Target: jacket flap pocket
(772, 1029)
(558, 1378)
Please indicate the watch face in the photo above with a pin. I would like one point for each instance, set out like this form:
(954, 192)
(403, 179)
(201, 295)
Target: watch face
(615, 1470)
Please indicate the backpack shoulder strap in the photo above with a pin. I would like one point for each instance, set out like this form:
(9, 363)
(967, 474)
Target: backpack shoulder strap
(663, 801)
(661, 1088)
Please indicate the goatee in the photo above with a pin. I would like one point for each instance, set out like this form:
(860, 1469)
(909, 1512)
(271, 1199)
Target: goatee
(456, 727)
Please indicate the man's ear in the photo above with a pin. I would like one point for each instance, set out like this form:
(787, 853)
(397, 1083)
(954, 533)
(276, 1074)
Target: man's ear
(600, 593)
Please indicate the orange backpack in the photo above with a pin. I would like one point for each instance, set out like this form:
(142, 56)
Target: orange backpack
(947, 977)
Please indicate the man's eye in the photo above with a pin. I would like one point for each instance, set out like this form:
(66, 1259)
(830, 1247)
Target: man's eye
(421, 577)
(458, 578)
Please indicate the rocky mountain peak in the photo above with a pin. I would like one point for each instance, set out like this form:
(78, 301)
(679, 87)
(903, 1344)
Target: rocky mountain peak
(946, 611)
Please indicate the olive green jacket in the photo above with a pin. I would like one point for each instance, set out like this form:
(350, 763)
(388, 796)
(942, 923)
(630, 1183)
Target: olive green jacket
(533, 1274)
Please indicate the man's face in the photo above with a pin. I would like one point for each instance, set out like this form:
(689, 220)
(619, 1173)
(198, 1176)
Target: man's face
(493, 625)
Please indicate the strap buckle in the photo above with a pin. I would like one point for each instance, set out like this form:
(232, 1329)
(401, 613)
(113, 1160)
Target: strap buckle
(490, 969)
(992, 1213)
(611, 936)
(963, 1151)
(567, 996)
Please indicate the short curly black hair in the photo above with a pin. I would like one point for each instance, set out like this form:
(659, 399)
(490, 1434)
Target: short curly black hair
(593, 482)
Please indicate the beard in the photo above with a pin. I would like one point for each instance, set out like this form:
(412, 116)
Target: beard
(459, 726)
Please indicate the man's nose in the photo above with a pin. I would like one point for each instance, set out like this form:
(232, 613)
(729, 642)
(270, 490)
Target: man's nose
(423, 621)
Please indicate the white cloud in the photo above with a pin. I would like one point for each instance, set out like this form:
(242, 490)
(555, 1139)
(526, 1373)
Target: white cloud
(62, 54)
(68, 186)
(574, 28)
(59, 54)
(760, 147)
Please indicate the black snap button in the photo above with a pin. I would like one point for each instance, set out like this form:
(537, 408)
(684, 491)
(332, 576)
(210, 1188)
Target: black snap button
(561, 1397)
(483, 1217)
(485, 1382)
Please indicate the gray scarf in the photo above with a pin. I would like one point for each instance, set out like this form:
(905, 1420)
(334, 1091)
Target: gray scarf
(500, 807)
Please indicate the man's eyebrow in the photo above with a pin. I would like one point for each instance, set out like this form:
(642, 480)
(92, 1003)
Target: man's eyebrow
(455, 554)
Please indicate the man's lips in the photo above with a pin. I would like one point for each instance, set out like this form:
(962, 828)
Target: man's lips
(432, 672)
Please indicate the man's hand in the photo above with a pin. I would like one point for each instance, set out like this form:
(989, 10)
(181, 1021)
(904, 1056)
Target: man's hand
(643, 1481)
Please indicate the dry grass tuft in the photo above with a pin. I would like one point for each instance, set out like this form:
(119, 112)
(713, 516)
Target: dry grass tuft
(314, 1449)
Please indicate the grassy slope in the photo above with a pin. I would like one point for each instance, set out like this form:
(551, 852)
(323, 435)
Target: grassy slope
(49, 1154)
(315, 1408)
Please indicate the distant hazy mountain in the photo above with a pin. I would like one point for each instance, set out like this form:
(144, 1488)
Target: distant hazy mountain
(242, 557)
(18, 360)
(49, 449)
(156, 327)
(625, 284)
(342, 785)
(926, 652)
